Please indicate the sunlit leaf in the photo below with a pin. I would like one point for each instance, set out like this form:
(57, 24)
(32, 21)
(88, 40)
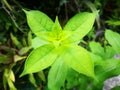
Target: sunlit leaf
(56, 31)
(11, 76)
(39, 59)
(79, 59)
(39, 23)
(37, 42)
(78, 26)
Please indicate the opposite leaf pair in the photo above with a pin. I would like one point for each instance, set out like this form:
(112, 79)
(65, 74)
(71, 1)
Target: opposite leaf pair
(60, 49)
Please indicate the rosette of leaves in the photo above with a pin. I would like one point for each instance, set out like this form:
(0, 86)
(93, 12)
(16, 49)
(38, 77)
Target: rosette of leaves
(58, 47)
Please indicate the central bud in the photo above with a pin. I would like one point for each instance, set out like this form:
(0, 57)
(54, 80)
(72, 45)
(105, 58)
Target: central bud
(57, 43)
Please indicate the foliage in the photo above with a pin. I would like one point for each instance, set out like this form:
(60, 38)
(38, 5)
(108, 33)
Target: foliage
(64, 44)
(62, 51)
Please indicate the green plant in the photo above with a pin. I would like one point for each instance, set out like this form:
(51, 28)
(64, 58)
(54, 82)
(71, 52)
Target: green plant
(106, 59)
(60, 49)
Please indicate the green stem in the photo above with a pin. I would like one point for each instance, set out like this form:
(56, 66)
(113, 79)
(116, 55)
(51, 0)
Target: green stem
(93, 9)
(7, 4)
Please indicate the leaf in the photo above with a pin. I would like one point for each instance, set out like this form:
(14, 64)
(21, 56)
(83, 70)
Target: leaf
(78, 26)
(9, 78)
(3, 58)
(32, 79)
(18, 58)
(57, 75)
(107, 69)
(109, 52)
(56, 31)
(113, 22)
(109, 65)
(29, 38)
(11, 85)
(42, 76)
(39, 23)
(79, 59)
(113, 39)
(37, 42)
(72, 79)
(15, 41)
(97, 49)
(12, 76)
(96, 59)
(39, 59)
(24, 50)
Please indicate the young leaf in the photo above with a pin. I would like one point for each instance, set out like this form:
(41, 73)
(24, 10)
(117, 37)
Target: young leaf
(114, 39)
(39, 59)
(57, 75)
(79, 59)
(39, 23)
(78, 26)
(56, 31)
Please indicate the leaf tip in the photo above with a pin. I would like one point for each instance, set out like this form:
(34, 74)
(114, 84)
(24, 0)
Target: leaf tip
(22, 74)
(56, 19)
(25, 11)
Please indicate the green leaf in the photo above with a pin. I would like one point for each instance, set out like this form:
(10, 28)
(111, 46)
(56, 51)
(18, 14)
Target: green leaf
(109, 52)
(72, 79)
(79, 59)
(3, 58)
(39, 59)
(96, 59)
(113, 22)
(32, 79)
(97, 49)
(24, 50)
(56, 33)
(78, 26)
(11, 85)
(57, 75)
(15, 41)
(113, 39)
(37, 42)
(39, 23)
(109, 65)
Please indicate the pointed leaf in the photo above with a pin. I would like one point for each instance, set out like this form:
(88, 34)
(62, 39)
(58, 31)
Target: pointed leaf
(56, 31)
(78, 26)
(79, 59)
(113, 39)
(39, 59)
(57, 75)
(39, 23)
